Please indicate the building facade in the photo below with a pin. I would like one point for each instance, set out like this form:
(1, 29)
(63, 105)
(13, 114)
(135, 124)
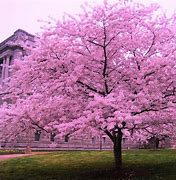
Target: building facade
(14, 48)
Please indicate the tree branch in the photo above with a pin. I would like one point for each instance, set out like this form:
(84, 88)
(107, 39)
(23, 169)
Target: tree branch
(153, 42)
(5, 93)
(91, 88)
(95, 43)
(105, 61)
(147, 110)
(109, 135)
(148, 74)
(110, 41)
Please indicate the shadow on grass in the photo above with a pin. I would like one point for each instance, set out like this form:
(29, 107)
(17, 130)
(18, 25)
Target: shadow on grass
(162, 171)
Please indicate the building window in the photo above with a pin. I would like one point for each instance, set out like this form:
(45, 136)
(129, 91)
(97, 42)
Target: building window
(1, 66)
(52, 136)
(123, 140)
(66, 138)
(10, 60)
(93, 140)
(104, 140)
(37, 135)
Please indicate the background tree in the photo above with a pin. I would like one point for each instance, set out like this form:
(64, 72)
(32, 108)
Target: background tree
(111, 68)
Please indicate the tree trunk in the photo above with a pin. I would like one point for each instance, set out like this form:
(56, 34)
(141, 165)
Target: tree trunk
(100, 142)
(118, 150)
(116, 138)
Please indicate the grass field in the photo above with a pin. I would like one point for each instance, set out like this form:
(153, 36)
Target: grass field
(84, 165)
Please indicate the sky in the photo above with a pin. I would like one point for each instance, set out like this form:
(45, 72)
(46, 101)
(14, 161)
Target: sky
(30, 14)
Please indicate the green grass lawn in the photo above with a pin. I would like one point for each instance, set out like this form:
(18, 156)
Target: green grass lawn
(84, 165)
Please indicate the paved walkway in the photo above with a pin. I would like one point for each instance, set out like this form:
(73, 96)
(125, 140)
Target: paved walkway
(10, 156)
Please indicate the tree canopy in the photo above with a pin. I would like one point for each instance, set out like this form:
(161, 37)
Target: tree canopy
(112, 68)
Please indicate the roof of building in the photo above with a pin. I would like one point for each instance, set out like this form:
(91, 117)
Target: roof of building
(14, 40)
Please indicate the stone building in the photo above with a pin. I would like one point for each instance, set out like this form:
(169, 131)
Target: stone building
(14, 48)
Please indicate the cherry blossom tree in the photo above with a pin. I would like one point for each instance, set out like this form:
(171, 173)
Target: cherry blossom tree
(112, 68)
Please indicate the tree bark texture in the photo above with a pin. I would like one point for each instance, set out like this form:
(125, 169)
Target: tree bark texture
(118, 150)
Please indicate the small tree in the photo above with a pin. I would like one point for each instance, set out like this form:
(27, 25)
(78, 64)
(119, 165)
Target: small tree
(112, 68)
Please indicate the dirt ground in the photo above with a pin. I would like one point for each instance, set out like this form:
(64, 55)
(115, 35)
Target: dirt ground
(10, 156)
